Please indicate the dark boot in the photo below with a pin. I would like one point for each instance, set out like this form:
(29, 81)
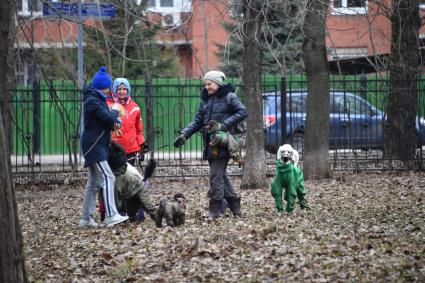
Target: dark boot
(141, 215)
(215, 208)
(235, 206)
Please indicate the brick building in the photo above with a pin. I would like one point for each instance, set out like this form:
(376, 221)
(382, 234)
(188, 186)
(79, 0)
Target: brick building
(353, 32)
(194, 31)
(355, 29)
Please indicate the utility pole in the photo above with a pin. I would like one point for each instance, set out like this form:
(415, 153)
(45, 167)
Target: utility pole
(80, 48)
(204, 16)
(80, 79)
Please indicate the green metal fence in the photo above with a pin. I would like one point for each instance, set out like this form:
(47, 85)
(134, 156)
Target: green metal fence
(45, 117)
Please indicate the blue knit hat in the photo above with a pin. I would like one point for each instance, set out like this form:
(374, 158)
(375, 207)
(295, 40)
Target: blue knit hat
(102, 79)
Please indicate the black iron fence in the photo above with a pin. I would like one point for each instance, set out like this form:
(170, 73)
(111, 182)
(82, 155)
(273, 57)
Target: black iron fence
(45, 124)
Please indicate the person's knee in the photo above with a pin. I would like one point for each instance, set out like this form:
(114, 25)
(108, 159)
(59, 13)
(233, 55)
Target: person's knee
(216, 195)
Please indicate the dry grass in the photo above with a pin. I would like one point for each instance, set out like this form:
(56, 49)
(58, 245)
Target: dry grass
(367, 227)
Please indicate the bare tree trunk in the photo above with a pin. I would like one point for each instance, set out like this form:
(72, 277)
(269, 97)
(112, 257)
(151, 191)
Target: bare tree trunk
(255, 166)
(316, 152)
(6, 106)
(150, 140)
(124, 46)
(205, 26)
(400, 135)
(12, 263)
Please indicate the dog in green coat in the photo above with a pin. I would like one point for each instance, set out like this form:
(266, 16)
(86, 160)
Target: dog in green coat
(288, 180)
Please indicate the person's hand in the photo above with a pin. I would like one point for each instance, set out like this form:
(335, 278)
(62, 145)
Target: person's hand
(180, 141)
(117, 127)
(118, 123)
(143, 149)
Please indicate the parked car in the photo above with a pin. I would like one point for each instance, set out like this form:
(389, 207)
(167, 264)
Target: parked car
(354, 122)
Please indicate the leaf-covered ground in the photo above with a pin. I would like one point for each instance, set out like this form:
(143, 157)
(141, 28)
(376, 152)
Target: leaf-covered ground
(363, 228)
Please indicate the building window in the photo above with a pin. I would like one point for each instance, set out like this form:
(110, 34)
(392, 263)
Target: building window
(19, 5)
(30, 8)
(33, 5)
(167, 3)
(151, 3)
(350, 7)
(349, 3)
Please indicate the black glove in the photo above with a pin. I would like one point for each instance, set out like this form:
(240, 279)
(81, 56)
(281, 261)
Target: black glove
(180, 141)
(143, 149)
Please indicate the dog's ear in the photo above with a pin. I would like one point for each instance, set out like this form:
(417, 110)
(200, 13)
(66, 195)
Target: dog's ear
(295, 157)
(150, 168)
(279, 153)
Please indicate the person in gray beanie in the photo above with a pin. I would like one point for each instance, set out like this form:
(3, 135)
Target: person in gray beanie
(219, 103)
(215, 76)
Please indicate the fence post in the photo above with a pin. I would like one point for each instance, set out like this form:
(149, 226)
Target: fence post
(363, 86)
(36, 120)
(283, 129)
(150, 141)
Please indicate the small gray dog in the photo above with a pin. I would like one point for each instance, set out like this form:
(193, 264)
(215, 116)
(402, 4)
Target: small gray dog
(174, 212)
(226, 140)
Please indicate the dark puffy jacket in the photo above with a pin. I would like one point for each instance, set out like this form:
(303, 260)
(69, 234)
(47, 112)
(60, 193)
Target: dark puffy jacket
(217, 107)
(98, 123)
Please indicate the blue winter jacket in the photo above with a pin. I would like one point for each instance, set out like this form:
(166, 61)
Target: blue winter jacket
(98, 123)
(217, 107)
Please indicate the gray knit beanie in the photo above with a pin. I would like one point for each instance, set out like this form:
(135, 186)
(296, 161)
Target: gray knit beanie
(215, 76)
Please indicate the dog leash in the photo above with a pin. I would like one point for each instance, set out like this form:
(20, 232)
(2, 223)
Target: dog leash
(161, 147)
(149, 151)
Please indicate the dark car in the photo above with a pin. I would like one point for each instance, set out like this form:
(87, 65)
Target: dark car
(354, 122)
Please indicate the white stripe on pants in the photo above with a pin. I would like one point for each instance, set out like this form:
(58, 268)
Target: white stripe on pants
(99, 176)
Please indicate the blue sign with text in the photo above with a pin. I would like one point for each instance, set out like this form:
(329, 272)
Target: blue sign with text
(88, 10)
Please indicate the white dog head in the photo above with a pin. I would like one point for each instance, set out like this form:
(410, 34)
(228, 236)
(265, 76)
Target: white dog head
(287, 154)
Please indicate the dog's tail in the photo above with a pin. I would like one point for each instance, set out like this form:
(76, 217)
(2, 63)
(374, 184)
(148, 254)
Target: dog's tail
(150, 168)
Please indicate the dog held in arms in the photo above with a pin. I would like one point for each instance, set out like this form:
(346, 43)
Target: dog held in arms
(173, 211)
(289, 179)
(226, 140)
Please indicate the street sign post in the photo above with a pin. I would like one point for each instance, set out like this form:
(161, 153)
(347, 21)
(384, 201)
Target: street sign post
(78, 11)
(70, 10)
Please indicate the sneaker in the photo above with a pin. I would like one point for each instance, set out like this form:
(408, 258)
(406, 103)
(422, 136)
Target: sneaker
(88, 223)
(117, 218)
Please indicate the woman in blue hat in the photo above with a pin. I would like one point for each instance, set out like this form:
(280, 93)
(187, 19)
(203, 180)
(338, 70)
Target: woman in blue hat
(95, 141)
